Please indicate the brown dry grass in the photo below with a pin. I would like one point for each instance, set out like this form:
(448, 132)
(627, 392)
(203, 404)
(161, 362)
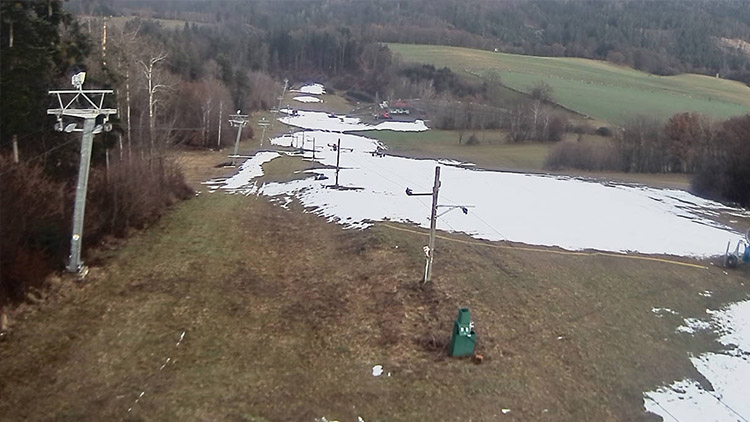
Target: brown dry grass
(285, 315)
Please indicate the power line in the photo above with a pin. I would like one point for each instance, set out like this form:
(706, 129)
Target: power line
(727, 406)
(448, 199)
(489, 225)
(666, 411)
(556, 252)
(19, 165)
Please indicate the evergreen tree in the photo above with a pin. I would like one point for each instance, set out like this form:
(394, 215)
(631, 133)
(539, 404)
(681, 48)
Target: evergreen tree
(33, 56)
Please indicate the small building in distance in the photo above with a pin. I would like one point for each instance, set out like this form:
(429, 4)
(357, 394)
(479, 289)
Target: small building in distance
(399, 107)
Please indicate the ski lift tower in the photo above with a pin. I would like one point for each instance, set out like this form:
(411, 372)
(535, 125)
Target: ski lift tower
(239, 121)
(264, 124)
(89, 106)
(281, 97)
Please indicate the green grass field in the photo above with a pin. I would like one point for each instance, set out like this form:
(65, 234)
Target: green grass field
(598, 89)
(492, 152)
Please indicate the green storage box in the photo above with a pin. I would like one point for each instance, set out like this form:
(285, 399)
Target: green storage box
(464, 338)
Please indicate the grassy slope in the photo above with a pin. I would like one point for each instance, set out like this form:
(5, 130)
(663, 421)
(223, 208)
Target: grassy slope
(492, 152)
(599, 89)
(495, 154)
(285, 314)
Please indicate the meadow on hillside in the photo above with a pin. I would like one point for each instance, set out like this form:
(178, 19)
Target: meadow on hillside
(597, 89)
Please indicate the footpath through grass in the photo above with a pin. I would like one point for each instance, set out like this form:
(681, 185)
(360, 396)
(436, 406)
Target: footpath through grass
(599, 89)
(285, 314)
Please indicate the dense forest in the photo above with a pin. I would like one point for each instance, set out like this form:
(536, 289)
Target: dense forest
(663, 37)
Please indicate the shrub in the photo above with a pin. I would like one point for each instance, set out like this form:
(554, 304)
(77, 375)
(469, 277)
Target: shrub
(604, 131)
(590, 156)
(360, 96)
(33, 225)
(36, 212)
(556, 129)
(137, 193)
(584, 129)
(473, 140)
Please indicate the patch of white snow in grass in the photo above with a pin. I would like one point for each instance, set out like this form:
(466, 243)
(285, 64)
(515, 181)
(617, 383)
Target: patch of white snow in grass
(415, 126)
(314, 89)
(317, 120)
(249, 170)
(692, 325)
(307, 99)
(534, 209)
(728, 372)
(661, 311)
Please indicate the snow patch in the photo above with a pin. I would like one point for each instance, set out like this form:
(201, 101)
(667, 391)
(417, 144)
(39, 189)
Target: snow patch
(249, 170)
(692, 325)
(415, 126)
(661, 311)
(314, 89)
(545, 210)
(317, 120)
(726, 371)
(307, 99)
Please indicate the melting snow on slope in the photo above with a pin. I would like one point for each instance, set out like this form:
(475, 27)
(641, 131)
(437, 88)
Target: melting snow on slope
(314, 89)
(318, 120)
(727, 371)
(693, 325)
(307, 99)
(416, 126)
(249, 170)
(534, 209)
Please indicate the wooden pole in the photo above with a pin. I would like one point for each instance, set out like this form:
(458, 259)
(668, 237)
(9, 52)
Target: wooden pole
(433, 224)
(338, 160)
(221, 111)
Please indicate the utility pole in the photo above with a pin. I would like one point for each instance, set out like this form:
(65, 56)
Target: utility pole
(283, 92)
(433, 223)
(430, 248)
(221, 111)
(336, 147)
(338, 161)
(240, 121)
(264, 124)
(95, 120)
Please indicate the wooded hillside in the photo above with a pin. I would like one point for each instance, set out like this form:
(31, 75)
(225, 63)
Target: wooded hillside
(664, 37)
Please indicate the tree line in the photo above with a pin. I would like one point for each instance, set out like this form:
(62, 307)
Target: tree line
(667, 37)
(715, 153)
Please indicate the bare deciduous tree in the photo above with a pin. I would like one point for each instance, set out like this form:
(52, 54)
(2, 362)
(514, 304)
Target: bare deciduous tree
(154, 80)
